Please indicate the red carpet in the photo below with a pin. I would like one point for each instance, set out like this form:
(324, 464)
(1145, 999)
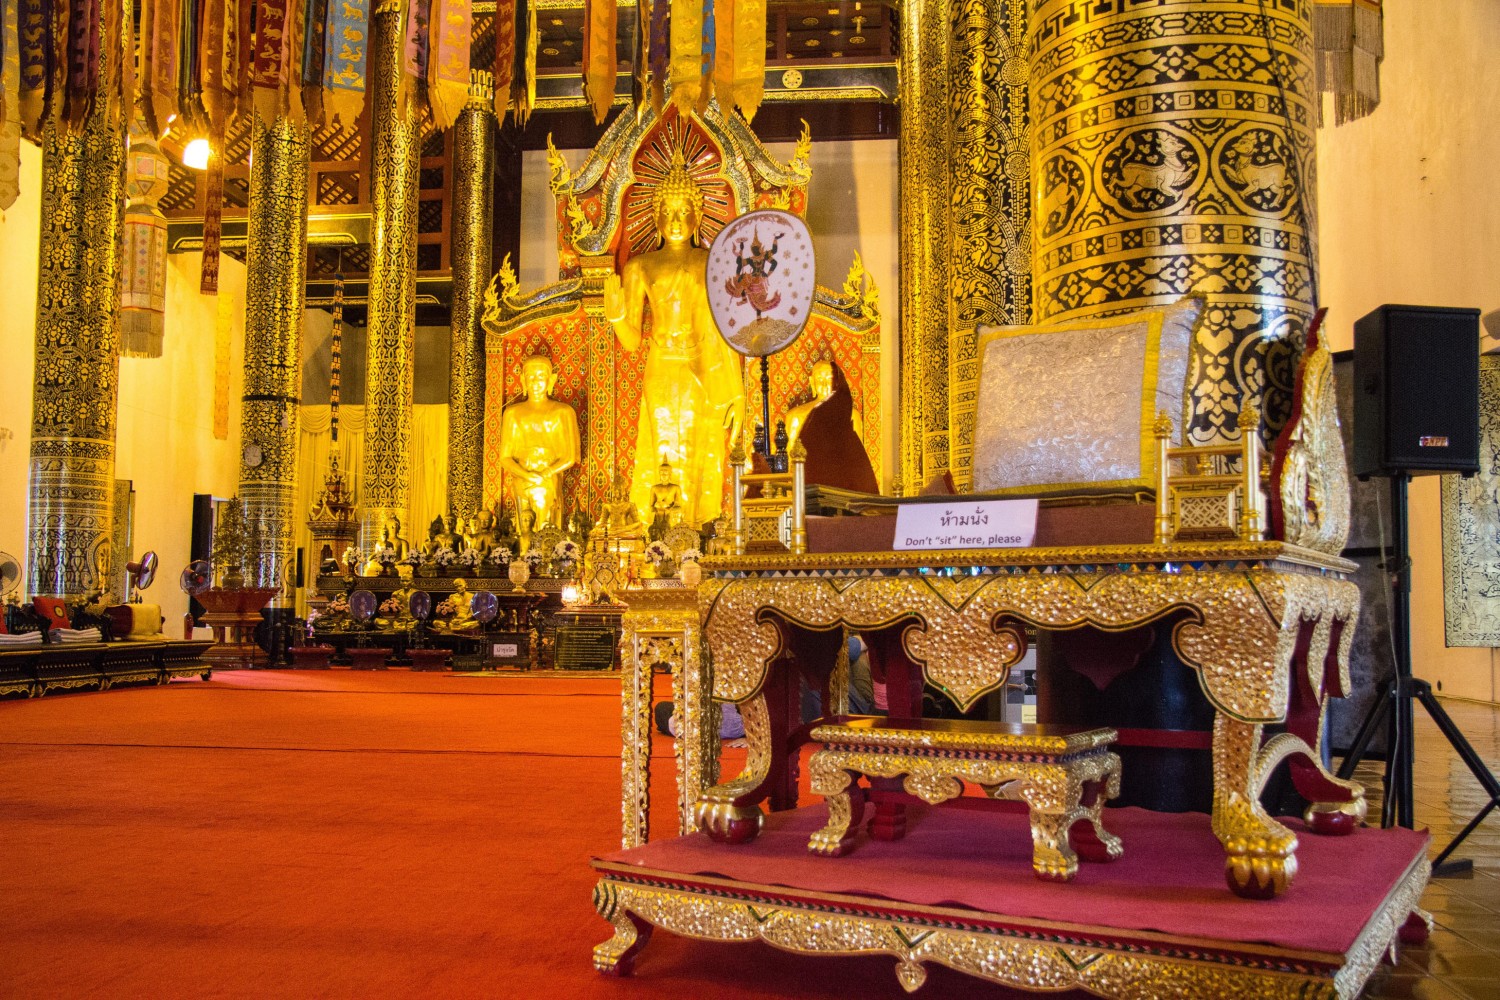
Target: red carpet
(332, 834)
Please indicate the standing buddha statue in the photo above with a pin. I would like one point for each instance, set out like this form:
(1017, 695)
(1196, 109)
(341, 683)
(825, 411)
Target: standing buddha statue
(692, 398)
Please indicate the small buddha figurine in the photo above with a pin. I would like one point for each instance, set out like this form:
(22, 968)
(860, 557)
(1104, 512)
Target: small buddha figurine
(481, 535)
(820, 381)
(374, 566)
(538, 443)
(525, 528)
(400, 544)
(449, 537)
(463, 619)
(666, 497)
(403, 618)
(434, 536)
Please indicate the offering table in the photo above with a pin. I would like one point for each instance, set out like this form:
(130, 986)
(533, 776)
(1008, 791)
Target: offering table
(1267, 627)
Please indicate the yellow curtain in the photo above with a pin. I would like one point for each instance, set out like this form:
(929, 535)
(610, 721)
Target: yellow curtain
(429, 470)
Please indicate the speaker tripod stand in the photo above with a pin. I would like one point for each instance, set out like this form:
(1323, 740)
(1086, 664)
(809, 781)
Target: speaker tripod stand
(1393, 707)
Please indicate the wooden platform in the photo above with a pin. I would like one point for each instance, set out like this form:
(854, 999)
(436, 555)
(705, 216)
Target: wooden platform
(35, 671)
(1155, 924)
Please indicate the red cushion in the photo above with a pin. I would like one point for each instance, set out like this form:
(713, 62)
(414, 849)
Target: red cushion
(54, 609)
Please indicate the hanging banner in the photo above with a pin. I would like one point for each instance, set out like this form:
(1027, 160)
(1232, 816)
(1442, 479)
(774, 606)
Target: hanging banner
(82, 79)
(416, 51)
(686, 72)
(143, 265)
(749, 55)
(505, 55)
(706, 62)
(660, 45)
(523, 72)
(213, 222)
(270, 67)
(724, 53)
(600, 57)
(448, 63)
(346, 51)
(1349, 44)
(314, 44)
(210, 81)
(35, 25)
(10, 107)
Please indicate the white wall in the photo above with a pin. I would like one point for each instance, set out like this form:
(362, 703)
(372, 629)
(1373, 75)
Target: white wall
(1409, 215)
(19, 229)
(852, 205)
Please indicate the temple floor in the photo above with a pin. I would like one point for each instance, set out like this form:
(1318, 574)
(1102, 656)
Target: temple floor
(284, 833)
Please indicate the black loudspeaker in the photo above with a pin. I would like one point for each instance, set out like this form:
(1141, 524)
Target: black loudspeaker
(1416, 391)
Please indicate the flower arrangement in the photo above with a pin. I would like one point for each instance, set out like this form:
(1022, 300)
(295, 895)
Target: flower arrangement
(413, 558)
(658, 552)
(352, 556)
(312, 616)
(689, 555)
(444, 558)
(391, 606)
(446, 608)
(469, 557)
(499, 556)
(566, 550)
(339, 605)
(533, 558)
(386, 557)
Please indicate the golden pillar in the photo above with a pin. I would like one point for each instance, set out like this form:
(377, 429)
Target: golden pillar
(922, 81)
(990, 158)
(391, 324)
(1174, 153)
(275, 289)
(72, 489)
(473, 184)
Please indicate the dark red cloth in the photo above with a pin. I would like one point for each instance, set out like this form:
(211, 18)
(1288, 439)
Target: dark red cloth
(1171, 878)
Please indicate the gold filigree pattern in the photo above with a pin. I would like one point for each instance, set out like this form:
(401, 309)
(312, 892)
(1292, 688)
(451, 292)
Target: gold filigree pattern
(77, 368)
(661, 626)
(473, 184)
(391, 324)
(1047, 960)
(1174, 153)
(275, 291)
(1314, 481)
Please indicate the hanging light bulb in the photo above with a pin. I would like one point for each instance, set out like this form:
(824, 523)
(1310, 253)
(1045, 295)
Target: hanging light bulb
(196, 153)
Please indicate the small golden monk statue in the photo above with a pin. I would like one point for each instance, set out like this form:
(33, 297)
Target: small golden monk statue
(666, 497)
(463, 619)
(400, 544)
(403, 618)
(692, 397)
(538, 442)
(820, 381)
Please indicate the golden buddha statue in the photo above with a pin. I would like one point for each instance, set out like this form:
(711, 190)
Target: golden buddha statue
(481, 534)
(434, 538)
(820, 381)
(538, 442)
(692, 399)
(375, 565)
(666, 497)
(463, 619)
(400, 544)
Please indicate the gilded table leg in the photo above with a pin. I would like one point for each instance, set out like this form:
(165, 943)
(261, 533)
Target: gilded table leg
(845, 797)
(616, 957)
(1090, 839)
(1261, 853)
(635, 736)
(730, 812)
(688, 692)
(1052, 815)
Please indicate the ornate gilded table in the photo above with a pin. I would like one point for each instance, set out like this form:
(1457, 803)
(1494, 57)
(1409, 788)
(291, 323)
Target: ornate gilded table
(1267, 627)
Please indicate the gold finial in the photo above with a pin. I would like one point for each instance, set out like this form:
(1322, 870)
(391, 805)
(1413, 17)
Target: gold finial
(1163, 425)
(1249, 419)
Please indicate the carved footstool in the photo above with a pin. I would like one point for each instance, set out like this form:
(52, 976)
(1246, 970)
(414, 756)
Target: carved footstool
(1063, 775)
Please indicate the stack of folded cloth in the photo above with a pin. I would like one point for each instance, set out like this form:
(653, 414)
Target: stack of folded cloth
(21, 641)
(75, 635)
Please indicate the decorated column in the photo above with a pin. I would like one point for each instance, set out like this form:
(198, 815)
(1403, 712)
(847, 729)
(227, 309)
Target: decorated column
(1174, 153)
(473, 183)
(70, 518)
(990, 229)
(391, 323)
(275, 283)
(924, 197)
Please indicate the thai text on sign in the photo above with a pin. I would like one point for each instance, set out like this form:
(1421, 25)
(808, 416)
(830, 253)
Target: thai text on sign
(982, 524)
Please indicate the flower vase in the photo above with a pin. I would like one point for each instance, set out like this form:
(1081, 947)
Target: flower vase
(519, 573)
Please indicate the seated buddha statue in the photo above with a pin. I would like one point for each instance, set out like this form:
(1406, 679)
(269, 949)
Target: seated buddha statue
(434, 538)
(538, 443)
(481, 533)
(374, 565)
(463, 619)
(820, 381)
(666, 498)
(399, 543)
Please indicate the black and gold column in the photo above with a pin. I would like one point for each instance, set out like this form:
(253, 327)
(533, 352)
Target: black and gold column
(275, 288)
(391, 323)
(990, 228)
(473, 191)
(1174, 153)
(72, 493)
